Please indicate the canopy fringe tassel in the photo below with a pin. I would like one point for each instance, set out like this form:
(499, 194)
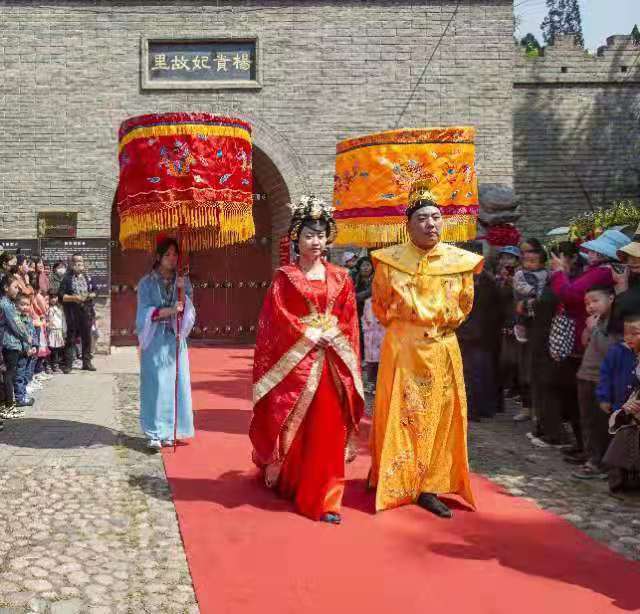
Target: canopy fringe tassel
(377, 233)
(201, 225)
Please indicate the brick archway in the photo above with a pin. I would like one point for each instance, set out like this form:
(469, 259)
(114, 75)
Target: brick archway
(229, 283)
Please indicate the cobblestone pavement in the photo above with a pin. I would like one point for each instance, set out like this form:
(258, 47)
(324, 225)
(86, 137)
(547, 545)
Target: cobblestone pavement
(499, 449)
(86, 521)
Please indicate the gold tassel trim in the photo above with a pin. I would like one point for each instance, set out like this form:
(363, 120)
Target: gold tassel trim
(378, 233)
(199, 225)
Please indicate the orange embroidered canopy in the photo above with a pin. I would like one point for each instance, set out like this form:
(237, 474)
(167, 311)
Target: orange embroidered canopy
(185, 172)
(374, 174)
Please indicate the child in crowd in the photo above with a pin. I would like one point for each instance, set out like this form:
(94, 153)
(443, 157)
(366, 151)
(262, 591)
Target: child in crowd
(528, 284)
(57, 331)
(28, 358)
(595, 424)
(18, 346)
(40, 307)
(14, 338)
(623, 455)
(373, 333)
(617, 371)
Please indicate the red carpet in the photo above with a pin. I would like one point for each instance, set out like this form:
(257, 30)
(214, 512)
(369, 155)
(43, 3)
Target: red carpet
(249, 553)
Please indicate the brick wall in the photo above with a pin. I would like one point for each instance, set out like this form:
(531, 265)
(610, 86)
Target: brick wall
(331, 70)
(576, 130)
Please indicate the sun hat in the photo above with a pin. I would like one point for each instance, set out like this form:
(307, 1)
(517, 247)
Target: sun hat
(608, 243)
(511, 250)
(348, 256)
(632, 248)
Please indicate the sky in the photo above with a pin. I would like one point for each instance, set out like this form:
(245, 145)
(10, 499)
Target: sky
(600, 18)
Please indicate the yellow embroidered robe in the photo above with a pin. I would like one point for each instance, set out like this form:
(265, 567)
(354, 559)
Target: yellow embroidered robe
(419, 436)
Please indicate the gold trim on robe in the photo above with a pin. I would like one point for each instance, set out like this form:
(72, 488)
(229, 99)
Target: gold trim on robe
(285, 365)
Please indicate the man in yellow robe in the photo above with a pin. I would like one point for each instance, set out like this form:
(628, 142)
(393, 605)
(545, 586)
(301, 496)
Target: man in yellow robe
(422, 292)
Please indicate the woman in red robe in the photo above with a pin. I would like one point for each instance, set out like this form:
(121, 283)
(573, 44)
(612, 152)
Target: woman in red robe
(307, 386)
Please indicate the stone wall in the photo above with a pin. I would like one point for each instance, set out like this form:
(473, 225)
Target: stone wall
(330, 70)
(576, 130)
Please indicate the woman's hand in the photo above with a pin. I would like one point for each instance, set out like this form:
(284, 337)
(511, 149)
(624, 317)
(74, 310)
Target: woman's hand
(180, 282)
(326, 338)
(560, 263)
(169, 312)
(620, 280)
(632, 408)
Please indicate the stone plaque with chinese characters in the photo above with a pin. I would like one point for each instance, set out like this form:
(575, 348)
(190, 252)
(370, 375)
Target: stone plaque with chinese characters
(57, 224)
(200, 64)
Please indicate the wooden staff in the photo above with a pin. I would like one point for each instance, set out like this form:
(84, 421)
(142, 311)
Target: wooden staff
(181, 298)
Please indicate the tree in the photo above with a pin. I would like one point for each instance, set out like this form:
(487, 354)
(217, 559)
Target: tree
(563, 18)
(552, 24)
(635, 34)
(573, 21)
(531, 44)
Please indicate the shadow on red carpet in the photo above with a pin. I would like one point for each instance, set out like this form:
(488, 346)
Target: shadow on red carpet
(250, 553)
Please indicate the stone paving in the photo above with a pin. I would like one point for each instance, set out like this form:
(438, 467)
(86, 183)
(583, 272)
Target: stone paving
(87, 523)
(500, 450)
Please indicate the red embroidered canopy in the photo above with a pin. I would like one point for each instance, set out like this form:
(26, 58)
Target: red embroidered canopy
(185, 172)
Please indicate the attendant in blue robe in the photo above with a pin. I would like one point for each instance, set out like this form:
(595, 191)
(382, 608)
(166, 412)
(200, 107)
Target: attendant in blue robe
(158, 306)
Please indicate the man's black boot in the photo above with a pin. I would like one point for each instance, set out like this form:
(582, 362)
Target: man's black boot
(432, 504)
(88, 366)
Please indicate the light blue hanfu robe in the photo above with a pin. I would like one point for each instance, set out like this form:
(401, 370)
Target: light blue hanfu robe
(158, 360)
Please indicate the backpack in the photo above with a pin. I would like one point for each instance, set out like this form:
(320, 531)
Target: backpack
(562, 336)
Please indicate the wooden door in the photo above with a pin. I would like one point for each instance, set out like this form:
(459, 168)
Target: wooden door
(229, 285)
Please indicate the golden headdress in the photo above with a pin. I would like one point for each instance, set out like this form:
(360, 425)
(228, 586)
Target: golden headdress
(420, 195)
(311, 211)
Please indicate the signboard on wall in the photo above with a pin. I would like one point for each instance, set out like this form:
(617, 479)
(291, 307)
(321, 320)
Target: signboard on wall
(28, 247)
(96, 253)
(58, 224)
(209, 63)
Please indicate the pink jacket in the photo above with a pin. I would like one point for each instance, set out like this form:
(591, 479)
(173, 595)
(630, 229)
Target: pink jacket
(571, 294)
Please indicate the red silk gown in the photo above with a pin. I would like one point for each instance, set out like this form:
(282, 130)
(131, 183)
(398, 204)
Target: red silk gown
(307, 399)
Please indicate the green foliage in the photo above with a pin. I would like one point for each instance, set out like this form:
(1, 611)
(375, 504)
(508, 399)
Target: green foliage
(563, 17)
(531, 45)
(590, 225)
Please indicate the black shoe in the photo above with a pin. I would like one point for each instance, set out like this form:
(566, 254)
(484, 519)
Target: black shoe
(28, 402)
(66, 370)
(432, 504)
(87, 366)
